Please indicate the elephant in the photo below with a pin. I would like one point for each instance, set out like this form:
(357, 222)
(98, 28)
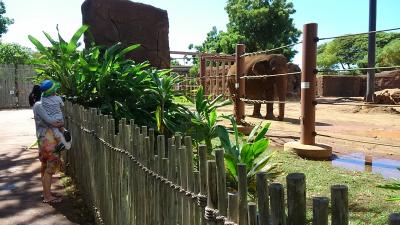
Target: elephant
(263, 89)
(293, 82)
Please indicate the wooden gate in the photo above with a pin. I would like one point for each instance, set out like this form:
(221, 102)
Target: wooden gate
(15, 85)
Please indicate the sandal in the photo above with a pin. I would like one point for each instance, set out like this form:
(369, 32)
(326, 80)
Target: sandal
(54, 200)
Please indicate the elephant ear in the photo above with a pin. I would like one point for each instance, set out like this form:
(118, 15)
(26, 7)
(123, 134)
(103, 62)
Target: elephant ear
(261, 68)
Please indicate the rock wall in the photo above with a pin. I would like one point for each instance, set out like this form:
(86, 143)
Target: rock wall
(112, 21)
(355, 86)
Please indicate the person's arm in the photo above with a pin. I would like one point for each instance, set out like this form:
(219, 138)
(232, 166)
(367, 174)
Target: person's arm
(41, 113)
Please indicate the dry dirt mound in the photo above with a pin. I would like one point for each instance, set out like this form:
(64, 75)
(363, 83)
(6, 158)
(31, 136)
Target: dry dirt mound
(388, 96)
(369, 109)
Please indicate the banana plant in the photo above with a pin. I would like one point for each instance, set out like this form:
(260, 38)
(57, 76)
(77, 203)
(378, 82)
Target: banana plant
(204, 119)
(60, 60)
(252, 151)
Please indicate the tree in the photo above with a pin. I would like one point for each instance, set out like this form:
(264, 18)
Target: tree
(259, 24)
(390, 54)
(4, 21)
(14, 54)
(351, 51)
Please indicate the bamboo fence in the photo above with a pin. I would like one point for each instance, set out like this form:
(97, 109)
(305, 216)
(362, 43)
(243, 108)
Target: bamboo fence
(134, 177)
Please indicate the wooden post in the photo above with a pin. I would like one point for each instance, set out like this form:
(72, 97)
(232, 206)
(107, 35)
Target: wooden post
(278, 216)
(189, 178)
(233, 207)
(242, 188)
(171, 176)
(196, 189)
(394, 219)
(252, 211)
(203, 74)
(340, 205)
(240, 84)
(320, 210)
(203, 175)
(296, 198)
(221, 179)
(164, 190)
(212, 201)
(263, 198)
(308, 77)
(184, 184)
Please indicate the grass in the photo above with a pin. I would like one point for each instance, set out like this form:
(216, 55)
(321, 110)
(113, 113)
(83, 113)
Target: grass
(367, 202)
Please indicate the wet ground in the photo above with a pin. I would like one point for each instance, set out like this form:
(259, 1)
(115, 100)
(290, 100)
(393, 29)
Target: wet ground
(355, 133)
(388, 168)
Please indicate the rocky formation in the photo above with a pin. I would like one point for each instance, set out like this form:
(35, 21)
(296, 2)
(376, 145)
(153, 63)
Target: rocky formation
(388, 96)
(113, 21)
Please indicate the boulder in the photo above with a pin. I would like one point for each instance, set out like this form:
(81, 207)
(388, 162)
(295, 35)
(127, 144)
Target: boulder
(112, 21)
(388, 96)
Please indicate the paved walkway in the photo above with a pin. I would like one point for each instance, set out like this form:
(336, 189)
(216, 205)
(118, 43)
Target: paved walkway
(20, 184)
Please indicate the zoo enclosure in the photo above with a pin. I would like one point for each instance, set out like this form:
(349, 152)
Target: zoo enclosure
(15, 85)
(213, 73)
(133, 177)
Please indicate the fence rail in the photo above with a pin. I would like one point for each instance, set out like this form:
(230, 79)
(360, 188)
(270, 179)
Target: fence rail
(134, 177)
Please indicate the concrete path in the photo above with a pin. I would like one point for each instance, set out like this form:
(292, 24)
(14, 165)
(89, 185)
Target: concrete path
(20, 184)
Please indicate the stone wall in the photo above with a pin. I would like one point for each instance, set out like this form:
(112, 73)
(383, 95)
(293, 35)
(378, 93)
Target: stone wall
(354, 86)
(113, 21)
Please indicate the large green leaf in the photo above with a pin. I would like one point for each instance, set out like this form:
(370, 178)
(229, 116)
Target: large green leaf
(230, 164)
(263, 131)
(259, 147)
(73, 43)
(40, 47)
(224, 138)
(126, 50)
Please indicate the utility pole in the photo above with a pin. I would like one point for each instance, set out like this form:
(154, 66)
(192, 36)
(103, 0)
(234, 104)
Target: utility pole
(371, 52)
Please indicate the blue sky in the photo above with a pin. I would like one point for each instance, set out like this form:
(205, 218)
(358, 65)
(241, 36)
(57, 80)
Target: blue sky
(190, 20)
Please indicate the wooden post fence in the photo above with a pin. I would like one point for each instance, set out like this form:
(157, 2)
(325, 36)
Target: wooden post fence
(132, 177)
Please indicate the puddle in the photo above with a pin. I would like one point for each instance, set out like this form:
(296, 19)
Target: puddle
(356, 162)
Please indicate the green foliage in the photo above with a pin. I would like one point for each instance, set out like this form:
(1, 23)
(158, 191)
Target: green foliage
(251, 151)
(14, 54)
(351, 52)
(4, 21)
(103, 78)
(169, 115)
(390, 54)
(204, 119)
(260, 25)
(392, 186)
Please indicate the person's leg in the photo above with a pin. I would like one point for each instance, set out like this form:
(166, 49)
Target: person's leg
(46, 182)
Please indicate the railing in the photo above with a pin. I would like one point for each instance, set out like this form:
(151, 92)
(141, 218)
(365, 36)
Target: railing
(213, 73)
(133, 177)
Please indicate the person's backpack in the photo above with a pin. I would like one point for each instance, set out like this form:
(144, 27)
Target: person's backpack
(35, 95)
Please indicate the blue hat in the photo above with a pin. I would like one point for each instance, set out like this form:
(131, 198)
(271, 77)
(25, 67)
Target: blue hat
(48, 87)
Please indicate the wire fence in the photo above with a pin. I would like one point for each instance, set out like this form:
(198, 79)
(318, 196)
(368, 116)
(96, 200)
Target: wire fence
(356, 34)
(271, 50)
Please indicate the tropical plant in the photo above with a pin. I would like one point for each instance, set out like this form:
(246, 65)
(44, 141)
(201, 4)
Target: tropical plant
(60, 61)
(169, 115)
(102, 77)
(204, 119)
(392, 186)
(253, 152)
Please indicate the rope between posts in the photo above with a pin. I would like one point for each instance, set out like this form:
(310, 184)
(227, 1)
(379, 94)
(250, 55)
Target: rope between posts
(201, 200)
(359, 141)
(270, 50)
(246, 100)
(353, 69)
(268, 75)
(357, 104)
(350, 35)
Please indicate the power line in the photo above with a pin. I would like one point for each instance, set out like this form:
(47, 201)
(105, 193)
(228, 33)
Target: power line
(350, 35)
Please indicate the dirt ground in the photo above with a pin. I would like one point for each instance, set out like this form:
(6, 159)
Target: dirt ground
(350, 128)
(20, 183)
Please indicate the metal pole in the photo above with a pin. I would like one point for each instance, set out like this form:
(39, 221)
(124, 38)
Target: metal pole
(240, 84)
(307, 120)
(371, 52)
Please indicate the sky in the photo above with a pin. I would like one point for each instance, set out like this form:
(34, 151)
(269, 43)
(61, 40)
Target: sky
(191, 20)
